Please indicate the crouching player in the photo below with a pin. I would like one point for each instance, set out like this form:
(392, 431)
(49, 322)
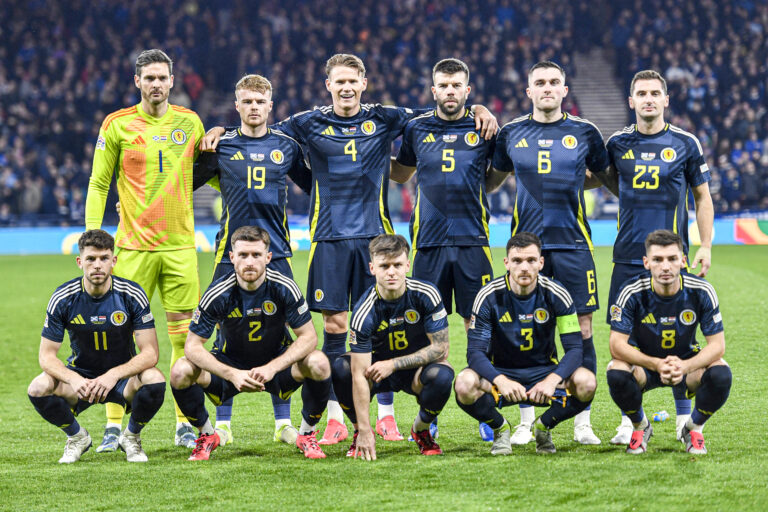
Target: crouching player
(662, 310)
(398, 342)
(254, 352)
(102, 314)
(511, 349)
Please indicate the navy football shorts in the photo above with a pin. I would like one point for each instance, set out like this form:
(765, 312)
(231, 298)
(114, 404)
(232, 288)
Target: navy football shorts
(338, 273)
(622, 272)
(457, 272)
(115, 394)
(574, 269)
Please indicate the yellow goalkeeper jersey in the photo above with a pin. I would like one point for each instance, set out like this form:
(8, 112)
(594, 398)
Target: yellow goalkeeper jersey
(154, 158)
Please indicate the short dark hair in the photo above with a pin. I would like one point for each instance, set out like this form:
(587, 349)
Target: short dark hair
(663, 238)
(647, 74)
(389, 245)
(545, 64)
(346, 60)
(450, 67)
(96, 238)
(250, 234)
(151, 56)
(524, 239)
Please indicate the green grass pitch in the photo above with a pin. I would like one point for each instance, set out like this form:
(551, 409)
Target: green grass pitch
(255, 472)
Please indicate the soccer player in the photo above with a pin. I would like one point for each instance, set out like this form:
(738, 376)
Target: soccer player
(550, 153)
(102, 314)
(153, 146)
(653, 166)
(249, 167)
(511, 349)
(449, 225)
(254, 352)
(348, 147)
(661, 311)
(399, 342)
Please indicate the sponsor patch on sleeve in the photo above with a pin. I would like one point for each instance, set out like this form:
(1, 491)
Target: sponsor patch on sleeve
(352, 338)
(615, 313)
(703, 167)
(717, 318)
(45, 322)
(147, 318)
(472, 322)
(101, 143)
(439, 315)
(196, 315)
(303, 308)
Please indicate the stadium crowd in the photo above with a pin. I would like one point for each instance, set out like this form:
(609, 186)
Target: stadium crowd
(62, 70)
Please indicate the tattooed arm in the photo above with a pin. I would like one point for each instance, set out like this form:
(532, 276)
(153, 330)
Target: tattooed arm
(435, 352)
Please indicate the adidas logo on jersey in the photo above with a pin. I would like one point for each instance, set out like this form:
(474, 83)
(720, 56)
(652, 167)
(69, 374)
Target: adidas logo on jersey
(238, 156)
(649, 319)
(429, 138)
(328, 131)
(235, 313)
(78, 320)
(592, 301)
(506, 317)
(522, 144)
(383, 326)
(629, 155)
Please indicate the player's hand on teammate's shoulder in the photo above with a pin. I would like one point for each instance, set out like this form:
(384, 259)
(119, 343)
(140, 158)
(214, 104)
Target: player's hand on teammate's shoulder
(703, 256)
(211, 139)
(486, 122)
(365, 445)
(243, 381)
(380, 370)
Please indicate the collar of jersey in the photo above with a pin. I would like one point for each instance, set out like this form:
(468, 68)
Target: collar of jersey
(155, 120)
(556, 123)
(241, 134)
(378, 295)
(454, 121)
(653, 135)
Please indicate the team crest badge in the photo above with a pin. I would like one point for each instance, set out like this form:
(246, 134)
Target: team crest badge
(412, 316)
(570, 142)
(541, 315)
(668, 154)
(118, 318)
(368, 127)
(471, 139)
(615, 313)
(276, 156)
(319, 295)
(269, 307)
(179, 136)
(687, 317)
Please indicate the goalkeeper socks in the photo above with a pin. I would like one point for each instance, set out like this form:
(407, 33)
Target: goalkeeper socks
(115, 414)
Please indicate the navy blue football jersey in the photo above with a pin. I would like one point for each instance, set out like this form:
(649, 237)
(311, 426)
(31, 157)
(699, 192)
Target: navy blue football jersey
(390, 329)
(549, 161)
(666, 326)
(515, 331)
(451, 159)
(100, 329)
(251, 175)
(350, 161)
(252, 323)
(655, 173)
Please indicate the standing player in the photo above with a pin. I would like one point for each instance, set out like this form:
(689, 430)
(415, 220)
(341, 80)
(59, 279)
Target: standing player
(511, 349)
(348, 149)
(399, 342)
(661, 312)
(550, 153)
(102, 314)
(653, 166)
(250, 167)
(153, 145)
(255, 352)
(449, 226)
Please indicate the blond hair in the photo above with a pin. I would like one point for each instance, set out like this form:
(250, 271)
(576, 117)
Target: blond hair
(254, 83)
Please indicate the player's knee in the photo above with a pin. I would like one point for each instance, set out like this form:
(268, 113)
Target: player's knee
(317, 366)
(619, 379)
(154, 392)
(181, 374)
(342, 370)
(152, 376)
(439, 376)
(466, 386)
(42, 385)
(585, 384)
(719, 377)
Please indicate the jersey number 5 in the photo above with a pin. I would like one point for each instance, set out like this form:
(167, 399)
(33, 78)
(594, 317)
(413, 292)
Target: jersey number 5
(449, 162)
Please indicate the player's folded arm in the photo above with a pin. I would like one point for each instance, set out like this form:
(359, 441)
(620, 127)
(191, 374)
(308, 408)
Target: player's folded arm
(477, 356)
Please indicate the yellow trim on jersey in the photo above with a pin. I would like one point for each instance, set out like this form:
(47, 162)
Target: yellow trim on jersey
(384, 220)
(484, 216)
(222, 242)
(583, 226)
(515, 217)
(568, 323)
(290, 265)
(285, 225)
(312, 247)
(487, 251)
(315, 213)
(416, 214)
